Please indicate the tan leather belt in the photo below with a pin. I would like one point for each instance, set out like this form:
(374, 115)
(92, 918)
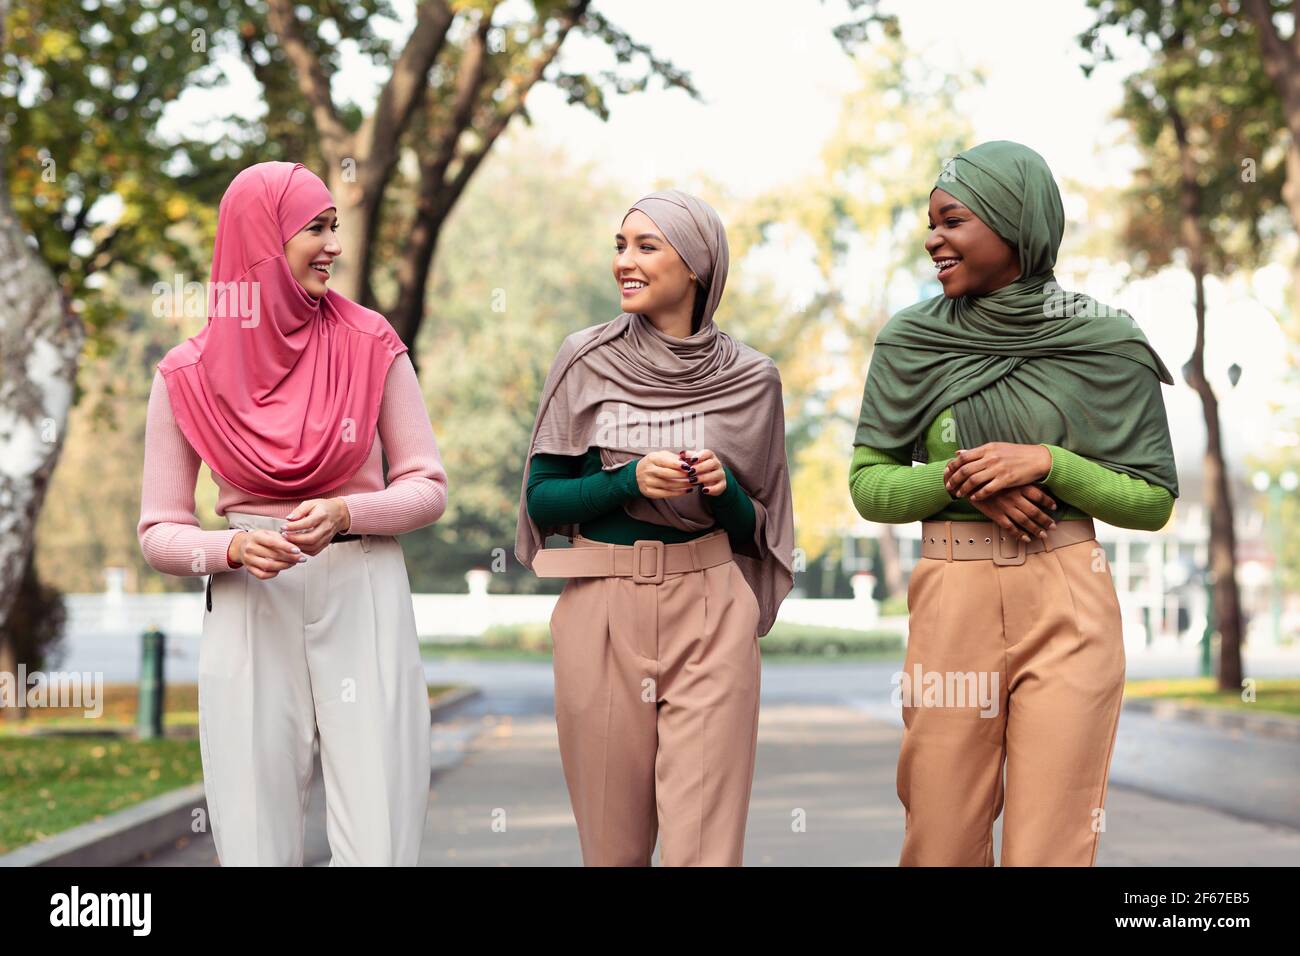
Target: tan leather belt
(646, 561)
(974, 540)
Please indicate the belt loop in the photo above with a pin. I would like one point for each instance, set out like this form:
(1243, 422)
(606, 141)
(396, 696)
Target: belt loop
(696, 564)
(365, 542)
(947, 534)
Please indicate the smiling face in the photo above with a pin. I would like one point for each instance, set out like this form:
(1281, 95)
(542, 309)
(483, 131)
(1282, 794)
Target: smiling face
(972, 259)
(651, 276)
(311, 252)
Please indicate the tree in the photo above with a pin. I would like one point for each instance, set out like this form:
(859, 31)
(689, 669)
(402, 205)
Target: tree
(865, 206)
(463, 73)
(1201, 105)
(1281, 61)
(40, 341)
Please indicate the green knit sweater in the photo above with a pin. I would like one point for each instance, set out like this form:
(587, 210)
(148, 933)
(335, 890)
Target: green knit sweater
(886, 487)
(565, 489)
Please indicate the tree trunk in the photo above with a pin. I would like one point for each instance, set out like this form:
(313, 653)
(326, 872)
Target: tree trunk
(1218, 492)
(40, 342)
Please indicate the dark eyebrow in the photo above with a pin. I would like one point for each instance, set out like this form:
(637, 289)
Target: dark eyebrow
(951, 205)
(644, 235)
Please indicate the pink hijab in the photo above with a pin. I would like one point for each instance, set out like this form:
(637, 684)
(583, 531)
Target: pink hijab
(280, 392)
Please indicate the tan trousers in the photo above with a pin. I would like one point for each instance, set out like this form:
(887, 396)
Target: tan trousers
(325, 648)
(1046, 634)
(656, 703)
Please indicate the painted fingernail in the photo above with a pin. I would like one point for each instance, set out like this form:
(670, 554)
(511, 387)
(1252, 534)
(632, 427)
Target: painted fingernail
(1042, 534)
(296, 549)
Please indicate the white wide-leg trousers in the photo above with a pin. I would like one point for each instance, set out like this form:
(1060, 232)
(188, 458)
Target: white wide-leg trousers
(327, 648)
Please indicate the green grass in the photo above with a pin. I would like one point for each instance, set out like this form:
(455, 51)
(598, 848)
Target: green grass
(51, 783)
(1278, 696)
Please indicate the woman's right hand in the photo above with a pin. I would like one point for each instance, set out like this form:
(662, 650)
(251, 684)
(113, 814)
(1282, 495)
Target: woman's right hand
(1019, 510)
(265, 553)
(660, 475)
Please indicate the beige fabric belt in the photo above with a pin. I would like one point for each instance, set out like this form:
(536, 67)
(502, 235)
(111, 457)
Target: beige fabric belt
(973, 540)
(646, 561)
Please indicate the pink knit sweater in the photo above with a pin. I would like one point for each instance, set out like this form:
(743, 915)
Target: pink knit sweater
(416, 495)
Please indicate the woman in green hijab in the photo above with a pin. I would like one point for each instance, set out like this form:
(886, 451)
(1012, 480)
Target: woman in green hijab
(1034, 411)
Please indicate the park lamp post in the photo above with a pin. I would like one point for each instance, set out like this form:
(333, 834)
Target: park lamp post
(1284, 483)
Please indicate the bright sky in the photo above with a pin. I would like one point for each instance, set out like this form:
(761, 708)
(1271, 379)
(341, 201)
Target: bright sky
(772, 84)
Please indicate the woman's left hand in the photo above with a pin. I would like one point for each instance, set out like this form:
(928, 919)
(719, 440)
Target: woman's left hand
(708, 472)
(314, 523)
(976, 473)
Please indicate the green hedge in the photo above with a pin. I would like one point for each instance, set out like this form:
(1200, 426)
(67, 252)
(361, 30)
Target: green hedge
(802, 640)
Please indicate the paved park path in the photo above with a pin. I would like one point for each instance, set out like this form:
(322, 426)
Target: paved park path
(1180, 794)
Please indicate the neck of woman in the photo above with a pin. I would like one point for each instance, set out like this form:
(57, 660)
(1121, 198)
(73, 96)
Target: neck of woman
(676, 323)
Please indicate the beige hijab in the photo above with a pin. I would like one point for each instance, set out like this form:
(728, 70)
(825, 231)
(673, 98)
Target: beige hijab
(629, 389)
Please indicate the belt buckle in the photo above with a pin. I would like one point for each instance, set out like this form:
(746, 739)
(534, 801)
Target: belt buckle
(639, 550)
(1006, 560)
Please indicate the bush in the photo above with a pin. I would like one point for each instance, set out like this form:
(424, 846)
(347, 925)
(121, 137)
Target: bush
(810, 640)
(799, 639)
(894, 606)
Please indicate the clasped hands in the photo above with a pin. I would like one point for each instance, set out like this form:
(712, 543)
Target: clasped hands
(998, 478)
(661, 474)
(311, 526)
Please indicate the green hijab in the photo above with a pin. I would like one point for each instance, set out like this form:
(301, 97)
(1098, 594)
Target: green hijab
(1027, 363)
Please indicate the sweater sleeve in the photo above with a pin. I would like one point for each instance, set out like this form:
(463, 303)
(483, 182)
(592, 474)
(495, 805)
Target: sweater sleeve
(417, 482)
(734, 509)
(170, 536)
(556, 497)
(1110, 496)
(886, 489)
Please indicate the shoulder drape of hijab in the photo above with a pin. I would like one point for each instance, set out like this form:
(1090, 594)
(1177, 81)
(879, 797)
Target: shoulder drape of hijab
(628, 389)
(280, 391)
(1029, 362)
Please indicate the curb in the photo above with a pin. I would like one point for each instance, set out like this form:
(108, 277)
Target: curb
(123, 837)
(119, 837)
(1270, 725)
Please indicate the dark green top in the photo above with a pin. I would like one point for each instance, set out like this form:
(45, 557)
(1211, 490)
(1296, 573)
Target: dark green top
(564, 489)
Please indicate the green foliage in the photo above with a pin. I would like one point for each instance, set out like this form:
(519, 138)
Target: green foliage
(1206, 66)
(803, 640)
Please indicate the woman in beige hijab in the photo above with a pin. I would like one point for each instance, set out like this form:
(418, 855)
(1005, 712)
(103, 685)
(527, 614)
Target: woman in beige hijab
(659, 451)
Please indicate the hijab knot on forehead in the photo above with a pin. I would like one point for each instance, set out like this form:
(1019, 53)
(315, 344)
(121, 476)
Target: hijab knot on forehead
(280, 391)
(628, 389)
(1026, 363)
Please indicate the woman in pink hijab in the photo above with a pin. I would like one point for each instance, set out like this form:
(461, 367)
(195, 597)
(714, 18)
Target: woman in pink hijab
(290, 394)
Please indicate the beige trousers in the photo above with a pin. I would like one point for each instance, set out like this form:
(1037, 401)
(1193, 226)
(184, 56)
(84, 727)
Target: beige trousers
(656, 703)
(327, 648)
(1045, 639)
